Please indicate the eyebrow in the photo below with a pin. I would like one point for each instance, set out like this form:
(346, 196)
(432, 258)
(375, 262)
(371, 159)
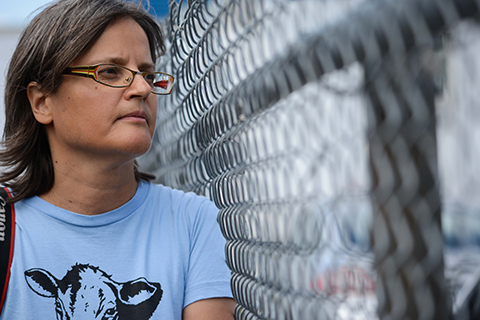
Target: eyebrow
(144, 66)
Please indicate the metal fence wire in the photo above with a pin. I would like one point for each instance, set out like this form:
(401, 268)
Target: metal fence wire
(340, 140)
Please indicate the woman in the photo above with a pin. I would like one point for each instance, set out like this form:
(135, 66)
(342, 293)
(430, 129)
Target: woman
(94, 239)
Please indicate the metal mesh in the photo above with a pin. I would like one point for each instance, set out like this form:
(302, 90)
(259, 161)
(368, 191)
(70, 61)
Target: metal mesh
(313, 127)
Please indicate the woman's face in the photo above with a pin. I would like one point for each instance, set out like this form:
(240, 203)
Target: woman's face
(93, 120)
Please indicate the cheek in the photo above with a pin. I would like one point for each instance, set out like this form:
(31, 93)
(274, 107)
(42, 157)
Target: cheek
(153, 105)
(83, 115)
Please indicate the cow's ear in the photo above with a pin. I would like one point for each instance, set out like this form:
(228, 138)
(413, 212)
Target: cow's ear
(41, 282)
(137, 291)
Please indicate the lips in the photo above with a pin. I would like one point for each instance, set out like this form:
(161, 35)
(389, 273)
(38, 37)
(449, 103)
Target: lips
(140, 115)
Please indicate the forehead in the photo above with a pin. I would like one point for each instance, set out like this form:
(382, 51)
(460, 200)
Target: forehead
(123, 39)
(93, 294)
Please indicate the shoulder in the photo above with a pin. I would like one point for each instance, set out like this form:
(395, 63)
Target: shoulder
(183, 202)
(5, 193)
(194, 214)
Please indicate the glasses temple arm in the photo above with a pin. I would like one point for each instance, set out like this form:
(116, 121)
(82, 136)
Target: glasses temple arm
(80, 71)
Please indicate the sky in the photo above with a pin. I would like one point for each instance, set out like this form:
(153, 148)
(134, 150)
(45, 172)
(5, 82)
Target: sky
(14, 14)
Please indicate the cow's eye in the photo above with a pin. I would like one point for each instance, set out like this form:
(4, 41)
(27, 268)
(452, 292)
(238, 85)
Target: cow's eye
(110, 314)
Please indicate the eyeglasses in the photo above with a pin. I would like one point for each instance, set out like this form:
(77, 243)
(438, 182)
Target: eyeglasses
(117, 76)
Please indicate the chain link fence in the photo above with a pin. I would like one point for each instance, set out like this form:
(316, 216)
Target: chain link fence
(339, 140)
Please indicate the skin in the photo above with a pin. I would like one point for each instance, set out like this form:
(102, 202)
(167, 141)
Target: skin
(94, 138)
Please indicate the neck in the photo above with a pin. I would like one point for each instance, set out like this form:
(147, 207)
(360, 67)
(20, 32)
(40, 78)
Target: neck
(91, 189)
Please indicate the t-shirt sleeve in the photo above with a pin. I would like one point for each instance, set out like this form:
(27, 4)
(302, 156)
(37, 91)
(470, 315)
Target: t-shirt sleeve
(208, 275)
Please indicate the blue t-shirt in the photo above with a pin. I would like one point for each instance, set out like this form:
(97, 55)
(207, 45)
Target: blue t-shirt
(148, 259)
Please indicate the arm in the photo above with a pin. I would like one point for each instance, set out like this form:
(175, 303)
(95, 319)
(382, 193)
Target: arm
(210, 309)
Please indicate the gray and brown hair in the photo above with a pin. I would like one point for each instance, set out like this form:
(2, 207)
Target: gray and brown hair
(59, 34)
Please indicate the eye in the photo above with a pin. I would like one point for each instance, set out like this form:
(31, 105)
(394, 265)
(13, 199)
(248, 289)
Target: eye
(150, 78)
(109, 72)
(110, 314)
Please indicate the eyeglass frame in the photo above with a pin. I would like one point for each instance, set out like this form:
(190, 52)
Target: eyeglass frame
(91, 72)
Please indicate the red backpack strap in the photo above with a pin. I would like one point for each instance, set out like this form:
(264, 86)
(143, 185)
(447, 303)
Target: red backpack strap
(7, 235)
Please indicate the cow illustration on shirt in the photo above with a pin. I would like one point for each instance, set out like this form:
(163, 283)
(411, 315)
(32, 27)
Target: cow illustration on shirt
(86, 292)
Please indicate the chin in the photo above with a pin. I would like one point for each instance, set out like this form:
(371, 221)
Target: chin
(131, 140)
(139, 149)
(136, 147)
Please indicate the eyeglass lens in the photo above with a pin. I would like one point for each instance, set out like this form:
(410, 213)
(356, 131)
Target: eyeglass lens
(114, 75)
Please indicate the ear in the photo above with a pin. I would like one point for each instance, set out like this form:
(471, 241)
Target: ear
(42, 282)
(38, 103)
(138, 291)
